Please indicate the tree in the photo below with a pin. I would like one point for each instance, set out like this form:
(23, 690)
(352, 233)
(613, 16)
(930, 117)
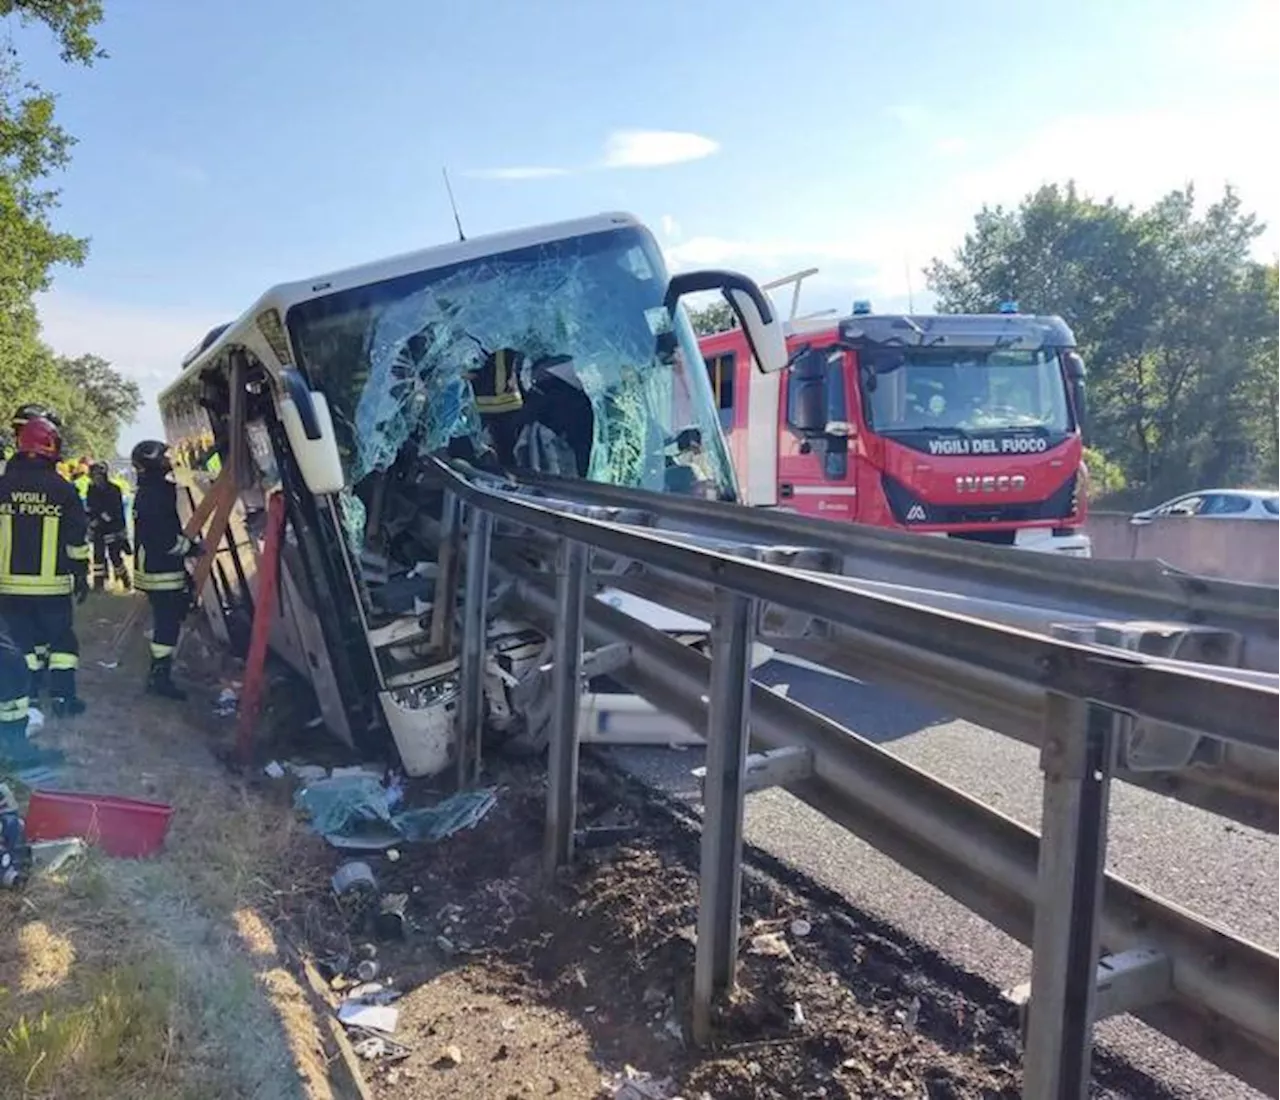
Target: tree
(33, 147)
(712, 318)
(100, 401)
(1176, 322)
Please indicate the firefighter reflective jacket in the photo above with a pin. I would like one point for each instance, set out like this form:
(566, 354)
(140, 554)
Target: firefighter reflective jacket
(157, 532)
(496, 384)
(42, 531)
(106, 508)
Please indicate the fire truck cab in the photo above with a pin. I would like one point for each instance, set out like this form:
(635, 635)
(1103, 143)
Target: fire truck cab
(962, 426)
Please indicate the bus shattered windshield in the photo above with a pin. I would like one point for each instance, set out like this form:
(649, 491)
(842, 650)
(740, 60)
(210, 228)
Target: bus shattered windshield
(558, 357)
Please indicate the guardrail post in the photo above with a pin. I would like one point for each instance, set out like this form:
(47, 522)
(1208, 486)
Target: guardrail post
(720, 873)
(444, 602)
(566, 673)
(470, 708)
(1077, 757)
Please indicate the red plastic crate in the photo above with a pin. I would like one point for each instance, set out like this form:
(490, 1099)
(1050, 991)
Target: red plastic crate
(123, 827)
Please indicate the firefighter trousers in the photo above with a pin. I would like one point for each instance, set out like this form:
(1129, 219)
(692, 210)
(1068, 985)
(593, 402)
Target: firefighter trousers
(14, 686)
(109, 547)
(168, 609)
(44, 628)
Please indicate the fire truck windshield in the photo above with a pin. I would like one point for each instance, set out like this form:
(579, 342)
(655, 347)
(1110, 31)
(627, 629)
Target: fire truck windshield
(963, 390)
(557, 357)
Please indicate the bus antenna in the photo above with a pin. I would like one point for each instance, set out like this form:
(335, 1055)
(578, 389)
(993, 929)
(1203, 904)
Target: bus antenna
(452, 204)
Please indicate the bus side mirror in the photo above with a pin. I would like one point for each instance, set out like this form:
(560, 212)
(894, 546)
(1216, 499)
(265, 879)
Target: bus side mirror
(309, 428)
(761, 325)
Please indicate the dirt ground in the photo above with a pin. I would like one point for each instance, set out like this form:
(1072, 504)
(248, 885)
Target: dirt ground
(191, 964)
(519, 988)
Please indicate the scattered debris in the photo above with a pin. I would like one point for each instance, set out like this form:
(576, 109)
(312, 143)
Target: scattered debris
(274, 770)
(393, 854)
(308, 773)
(449, 1057)
(51, 855)
(380, 1018)
(354, 875)
(800, 928)
(770, 944)
(463, 810)
(367, 969)
(797, 1015)
(227, 702)
(389, 924)
(912, 1016)
(35, 720)
(371, 1048)
(350, 809)
(634, 1084)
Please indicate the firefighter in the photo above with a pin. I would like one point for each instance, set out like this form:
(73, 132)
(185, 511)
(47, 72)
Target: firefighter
(500, 401)
(30, 411)
(107, 527)
(44, 560)
(160, 561)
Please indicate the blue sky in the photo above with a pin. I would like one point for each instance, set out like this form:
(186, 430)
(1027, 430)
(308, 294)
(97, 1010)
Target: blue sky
(223, 148)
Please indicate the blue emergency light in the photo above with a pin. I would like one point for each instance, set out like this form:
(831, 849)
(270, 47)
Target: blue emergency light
(1008, 307)
(862, 308)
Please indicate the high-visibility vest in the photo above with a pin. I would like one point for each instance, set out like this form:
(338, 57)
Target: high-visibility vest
(43, 531)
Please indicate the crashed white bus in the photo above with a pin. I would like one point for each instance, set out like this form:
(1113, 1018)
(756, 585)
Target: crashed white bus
(346, 384)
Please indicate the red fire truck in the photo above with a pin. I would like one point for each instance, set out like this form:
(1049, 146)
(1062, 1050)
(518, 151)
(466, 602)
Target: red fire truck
(967, 426)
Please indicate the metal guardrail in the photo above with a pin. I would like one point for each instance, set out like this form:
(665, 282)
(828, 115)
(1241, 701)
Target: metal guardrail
(1231, 780)
(1120, 590)
(1210, 990)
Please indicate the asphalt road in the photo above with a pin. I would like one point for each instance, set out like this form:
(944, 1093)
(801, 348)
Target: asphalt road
(1214, 867)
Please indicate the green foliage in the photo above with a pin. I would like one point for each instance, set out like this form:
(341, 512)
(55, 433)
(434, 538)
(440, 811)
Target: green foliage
(1106, 478)
(94, 400)
(72, 22)
(1176, 322)
(712, 318)
(120, 1030)
(100, 402)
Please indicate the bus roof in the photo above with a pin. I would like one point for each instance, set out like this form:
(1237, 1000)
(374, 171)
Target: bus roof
(244, 331)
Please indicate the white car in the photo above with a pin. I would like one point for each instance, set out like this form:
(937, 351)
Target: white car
(1218, 504)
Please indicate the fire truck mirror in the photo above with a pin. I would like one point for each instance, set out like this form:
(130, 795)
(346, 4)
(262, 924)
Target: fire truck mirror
(1076, 384)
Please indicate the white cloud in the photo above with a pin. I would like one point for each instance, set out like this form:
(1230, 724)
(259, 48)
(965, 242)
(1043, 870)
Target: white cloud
(655, 148)
(146, 345)
(1137, 157)
(519, 172)
(622, 149)
(951, 146)
(670, 228)
(1134, 157)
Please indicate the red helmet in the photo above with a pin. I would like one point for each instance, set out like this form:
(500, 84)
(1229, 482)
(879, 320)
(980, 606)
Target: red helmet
(40, 438)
